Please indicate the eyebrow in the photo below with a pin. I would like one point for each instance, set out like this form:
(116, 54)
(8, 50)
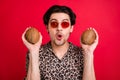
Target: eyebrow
(53, 19)
(56, 20)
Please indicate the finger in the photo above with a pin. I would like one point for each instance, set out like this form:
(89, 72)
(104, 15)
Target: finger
(90, 28)
(40, 39)
(95, 32)
(23, 35)
(97, 37)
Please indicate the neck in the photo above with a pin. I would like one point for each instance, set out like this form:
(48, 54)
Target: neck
(59, 51)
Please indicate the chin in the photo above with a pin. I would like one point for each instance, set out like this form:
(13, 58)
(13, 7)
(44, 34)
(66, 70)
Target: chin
(59, 43)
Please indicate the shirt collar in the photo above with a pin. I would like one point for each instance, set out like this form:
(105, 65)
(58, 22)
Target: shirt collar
(50, 47)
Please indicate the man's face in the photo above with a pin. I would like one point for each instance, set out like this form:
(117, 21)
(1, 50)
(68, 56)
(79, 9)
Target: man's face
(59, 28)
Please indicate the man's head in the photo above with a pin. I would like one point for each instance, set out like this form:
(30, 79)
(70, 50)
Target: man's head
(59, 21)
(59, 9)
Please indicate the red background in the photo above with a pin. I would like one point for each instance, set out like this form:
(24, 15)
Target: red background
(17, 15)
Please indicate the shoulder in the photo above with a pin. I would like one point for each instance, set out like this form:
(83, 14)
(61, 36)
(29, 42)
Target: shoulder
(77, 52)
(45, 47)
(74, 47)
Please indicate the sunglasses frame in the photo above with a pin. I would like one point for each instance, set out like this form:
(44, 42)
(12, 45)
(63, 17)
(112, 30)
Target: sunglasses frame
(64, 24)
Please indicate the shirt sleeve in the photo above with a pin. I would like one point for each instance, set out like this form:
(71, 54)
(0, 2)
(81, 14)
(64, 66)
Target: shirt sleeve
(27, 63)
(81, 62)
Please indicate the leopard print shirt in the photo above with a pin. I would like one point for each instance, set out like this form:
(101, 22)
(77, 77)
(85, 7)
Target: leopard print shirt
(70, 67)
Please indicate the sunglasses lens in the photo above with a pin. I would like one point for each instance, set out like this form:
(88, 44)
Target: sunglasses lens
(54, 24)
(65, 24)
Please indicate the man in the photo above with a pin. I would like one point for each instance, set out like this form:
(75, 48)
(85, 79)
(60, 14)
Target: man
(60, 59)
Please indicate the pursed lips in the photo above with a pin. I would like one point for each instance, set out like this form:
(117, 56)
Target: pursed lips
(59, 36)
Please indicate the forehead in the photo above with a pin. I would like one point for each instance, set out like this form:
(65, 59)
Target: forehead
(59, 16)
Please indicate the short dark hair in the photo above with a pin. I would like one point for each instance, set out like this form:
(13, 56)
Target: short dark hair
(58, 9)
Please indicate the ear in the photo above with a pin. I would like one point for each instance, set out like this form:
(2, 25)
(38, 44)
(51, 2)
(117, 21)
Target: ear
(47, 29)
(71, 29)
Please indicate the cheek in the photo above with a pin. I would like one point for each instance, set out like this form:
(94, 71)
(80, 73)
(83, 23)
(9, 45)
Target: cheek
(67, 34)
(50, 31)
(51, 34)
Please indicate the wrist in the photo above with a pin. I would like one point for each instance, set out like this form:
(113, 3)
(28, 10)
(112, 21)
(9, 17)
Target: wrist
(33, 51)
(88, 54)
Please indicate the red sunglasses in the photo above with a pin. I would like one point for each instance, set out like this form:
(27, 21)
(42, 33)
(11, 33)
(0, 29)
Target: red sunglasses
(55, 24)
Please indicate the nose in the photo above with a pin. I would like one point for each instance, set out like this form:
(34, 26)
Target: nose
(59, 28)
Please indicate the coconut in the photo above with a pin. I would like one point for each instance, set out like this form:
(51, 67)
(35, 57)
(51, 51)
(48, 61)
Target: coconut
(32, 35)
(88, 37)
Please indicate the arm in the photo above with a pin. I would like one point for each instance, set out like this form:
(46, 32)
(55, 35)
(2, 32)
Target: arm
(88, 70)
(88, 51)
(33, 67)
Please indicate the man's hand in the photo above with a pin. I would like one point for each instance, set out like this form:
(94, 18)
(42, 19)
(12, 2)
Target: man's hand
(90, 48)
(33, 68)
(32, 47)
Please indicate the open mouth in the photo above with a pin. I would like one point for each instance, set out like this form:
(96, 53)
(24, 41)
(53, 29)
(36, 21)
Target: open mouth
(59, 37)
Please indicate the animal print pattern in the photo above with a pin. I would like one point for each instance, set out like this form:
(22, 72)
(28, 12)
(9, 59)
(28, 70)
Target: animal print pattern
(70, 67)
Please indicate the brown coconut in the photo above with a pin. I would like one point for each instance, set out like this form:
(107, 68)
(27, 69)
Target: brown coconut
(88, 37)
(32, 35)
